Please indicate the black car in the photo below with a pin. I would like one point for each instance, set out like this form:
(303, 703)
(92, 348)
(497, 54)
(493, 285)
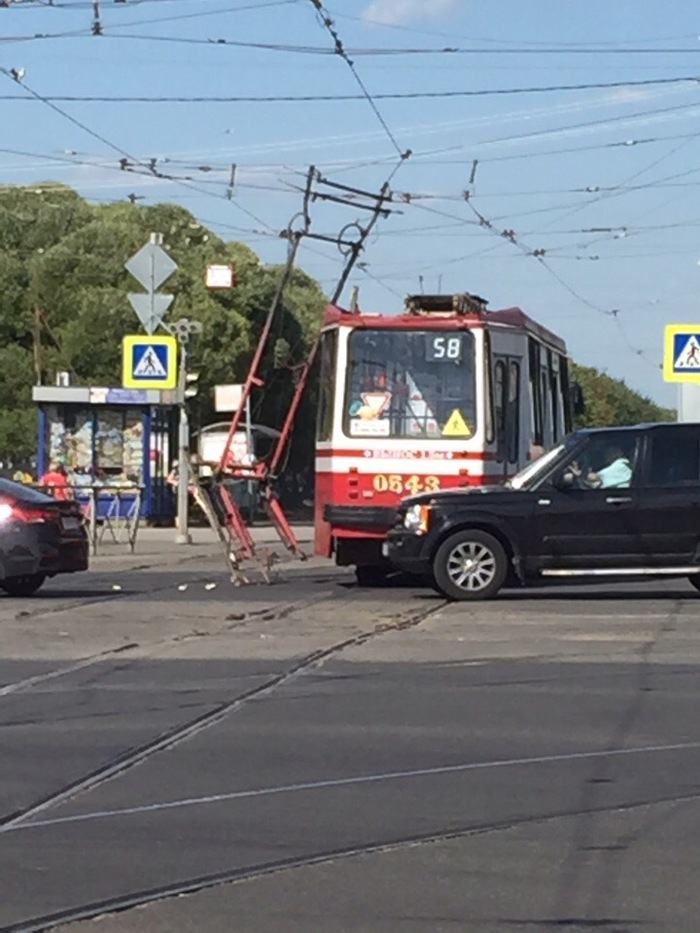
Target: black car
(609, 503)
(39, 537)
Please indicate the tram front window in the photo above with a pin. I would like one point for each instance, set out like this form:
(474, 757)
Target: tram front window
(410, 384)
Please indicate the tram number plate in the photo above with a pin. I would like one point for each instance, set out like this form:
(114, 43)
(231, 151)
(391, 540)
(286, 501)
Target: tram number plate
(394, 482)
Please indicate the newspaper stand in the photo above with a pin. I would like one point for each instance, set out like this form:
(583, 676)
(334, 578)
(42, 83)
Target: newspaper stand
(117, 440)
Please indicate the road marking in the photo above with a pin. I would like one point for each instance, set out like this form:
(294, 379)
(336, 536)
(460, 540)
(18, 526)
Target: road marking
(350, 781)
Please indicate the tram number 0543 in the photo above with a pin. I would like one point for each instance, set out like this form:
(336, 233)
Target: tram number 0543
(401, 484)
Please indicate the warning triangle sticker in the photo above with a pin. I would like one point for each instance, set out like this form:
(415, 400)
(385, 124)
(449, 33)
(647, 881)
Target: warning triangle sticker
(150, 365)
(456, 426)
(689, 357)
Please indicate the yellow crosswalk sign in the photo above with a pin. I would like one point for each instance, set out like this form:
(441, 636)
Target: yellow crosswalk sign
(456, 426)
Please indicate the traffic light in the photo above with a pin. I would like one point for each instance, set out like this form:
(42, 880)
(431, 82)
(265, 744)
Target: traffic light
(191, 385)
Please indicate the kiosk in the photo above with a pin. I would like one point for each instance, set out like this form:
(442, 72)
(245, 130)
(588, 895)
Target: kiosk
(116, 445)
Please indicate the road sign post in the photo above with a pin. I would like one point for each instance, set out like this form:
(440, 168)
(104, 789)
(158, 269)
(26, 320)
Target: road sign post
(181, 331)
(151, 266)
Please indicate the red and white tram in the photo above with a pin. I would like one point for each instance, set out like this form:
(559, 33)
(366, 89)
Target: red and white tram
(444, 394)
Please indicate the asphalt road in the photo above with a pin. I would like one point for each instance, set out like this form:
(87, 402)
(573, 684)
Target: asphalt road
(309, 757)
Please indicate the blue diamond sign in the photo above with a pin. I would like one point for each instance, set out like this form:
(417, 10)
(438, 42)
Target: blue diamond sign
(149, 362)
(682, 353)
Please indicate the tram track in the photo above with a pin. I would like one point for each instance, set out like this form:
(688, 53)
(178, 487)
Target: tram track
(146, 896)
(325, 854)
(233, 620)
(170, 738)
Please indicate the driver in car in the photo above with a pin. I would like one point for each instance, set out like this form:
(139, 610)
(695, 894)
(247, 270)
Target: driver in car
(616, 475)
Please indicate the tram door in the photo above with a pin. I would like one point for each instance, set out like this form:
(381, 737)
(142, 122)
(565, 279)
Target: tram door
(507, 374)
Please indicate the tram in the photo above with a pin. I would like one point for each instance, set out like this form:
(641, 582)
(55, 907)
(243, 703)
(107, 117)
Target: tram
(444, 394)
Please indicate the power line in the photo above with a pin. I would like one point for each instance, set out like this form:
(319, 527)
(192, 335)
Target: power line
(199, 14)
(339, 49)
(509, 235)
(128, 162)
(13, 75)
(387, 95)
(451, 35)
(66, 5)
(623, 188)
(143, 22)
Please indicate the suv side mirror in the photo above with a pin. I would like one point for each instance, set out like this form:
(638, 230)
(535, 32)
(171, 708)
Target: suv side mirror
(564, 481)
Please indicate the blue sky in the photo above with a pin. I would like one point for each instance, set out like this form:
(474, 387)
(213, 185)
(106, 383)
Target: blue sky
(603, 179)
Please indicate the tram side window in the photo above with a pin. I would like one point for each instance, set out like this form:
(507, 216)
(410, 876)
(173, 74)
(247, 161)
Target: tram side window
(566, 394)
(513, 412)
(534, 353)
(556, 407)
(488, 392)
(546, 405)
(326, 394)
(499, 388)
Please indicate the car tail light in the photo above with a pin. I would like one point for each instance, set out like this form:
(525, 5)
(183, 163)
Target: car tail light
(15, 511)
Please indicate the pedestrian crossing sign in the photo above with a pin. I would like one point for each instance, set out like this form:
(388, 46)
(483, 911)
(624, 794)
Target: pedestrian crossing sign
(149, 362)
(682, 353)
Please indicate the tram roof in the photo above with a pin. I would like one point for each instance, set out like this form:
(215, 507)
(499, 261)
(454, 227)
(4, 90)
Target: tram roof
(443, 320)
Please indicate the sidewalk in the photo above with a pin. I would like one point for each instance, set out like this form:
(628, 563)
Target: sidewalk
(156, 547)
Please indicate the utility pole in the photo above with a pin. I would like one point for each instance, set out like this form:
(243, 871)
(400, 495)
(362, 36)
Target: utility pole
(183, 330)
(183, 474)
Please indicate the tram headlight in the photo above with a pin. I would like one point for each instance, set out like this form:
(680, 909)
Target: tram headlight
(417, 519)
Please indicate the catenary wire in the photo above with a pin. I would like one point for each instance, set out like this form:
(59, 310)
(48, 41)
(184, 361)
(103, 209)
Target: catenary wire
(336, 98)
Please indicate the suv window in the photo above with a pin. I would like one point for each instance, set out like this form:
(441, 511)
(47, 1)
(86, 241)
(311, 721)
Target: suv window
(606, 461)
(675, 457)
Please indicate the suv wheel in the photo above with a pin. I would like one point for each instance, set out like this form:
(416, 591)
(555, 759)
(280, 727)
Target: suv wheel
(470, 565)
(23, 586)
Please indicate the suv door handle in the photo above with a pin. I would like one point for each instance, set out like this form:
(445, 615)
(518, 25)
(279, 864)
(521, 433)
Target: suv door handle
(618, 500)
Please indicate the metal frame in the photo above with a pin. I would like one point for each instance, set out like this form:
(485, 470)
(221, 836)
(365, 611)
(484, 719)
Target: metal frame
(241, 544)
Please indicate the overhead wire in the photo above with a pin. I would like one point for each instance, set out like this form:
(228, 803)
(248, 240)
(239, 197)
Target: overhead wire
(89, 32)
(66, 5)
(539, 254)
(335, 98)
(127, 158)
(390, 136)
(452, 35)
(327, 23)
(35, 95)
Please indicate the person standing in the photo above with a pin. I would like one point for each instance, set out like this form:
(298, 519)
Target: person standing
(55, 482)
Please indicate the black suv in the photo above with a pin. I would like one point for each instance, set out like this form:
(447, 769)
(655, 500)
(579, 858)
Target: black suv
(607, 503)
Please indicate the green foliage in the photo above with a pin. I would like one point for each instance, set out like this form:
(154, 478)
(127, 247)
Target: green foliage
(610, 402)
(62, 264)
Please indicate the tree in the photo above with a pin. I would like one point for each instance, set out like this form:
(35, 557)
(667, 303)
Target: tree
(64, 304)
(610, 402)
